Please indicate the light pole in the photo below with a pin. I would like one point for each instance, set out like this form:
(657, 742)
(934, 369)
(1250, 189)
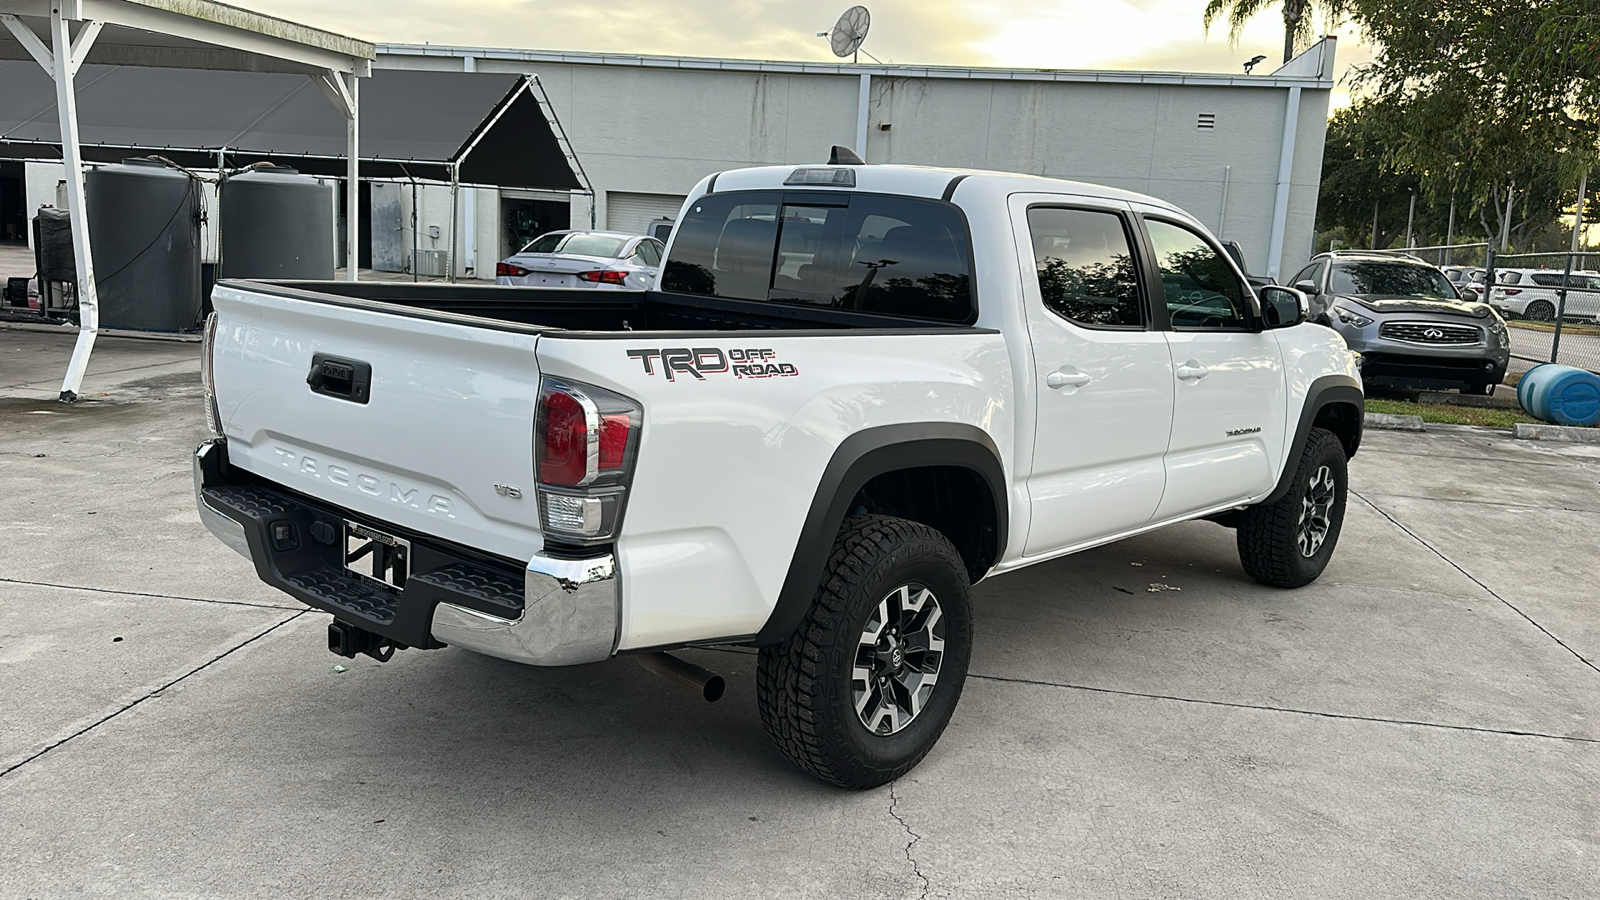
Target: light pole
(1411, 217)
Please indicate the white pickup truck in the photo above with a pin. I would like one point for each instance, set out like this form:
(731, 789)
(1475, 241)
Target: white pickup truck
(854, 392)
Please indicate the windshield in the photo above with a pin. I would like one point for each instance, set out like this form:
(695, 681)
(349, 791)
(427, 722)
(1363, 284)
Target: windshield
(576, 244)
(1395, 279)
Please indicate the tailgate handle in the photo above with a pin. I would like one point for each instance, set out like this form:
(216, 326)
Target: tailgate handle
(346, 379)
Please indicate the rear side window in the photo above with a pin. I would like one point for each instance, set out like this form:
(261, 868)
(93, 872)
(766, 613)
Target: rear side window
(868, 253)
(1543, 279)
(1085, 267)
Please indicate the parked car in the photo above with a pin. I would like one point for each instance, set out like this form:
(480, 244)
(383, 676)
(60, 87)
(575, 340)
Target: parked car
(855, 391)
(1236, 253)
(1536, 294)
(1406, 320)
(1468, 281)
(605, 260)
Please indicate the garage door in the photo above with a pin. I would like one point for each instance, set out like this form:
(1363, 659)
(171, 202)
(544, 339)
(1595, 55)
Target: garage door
(633, 213)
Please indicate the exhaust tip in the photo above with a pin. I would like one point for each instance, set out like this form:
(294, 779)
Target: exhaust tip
(709, 685)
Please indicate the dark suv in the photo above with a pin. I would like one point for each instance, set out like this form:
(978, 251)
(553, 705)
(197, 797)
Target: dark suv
(1407, 321)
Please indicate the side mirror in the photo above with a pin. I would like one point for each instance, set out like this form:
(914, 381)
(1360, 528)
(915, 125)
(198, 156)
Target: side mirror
(1283, 307)
(1307, 286)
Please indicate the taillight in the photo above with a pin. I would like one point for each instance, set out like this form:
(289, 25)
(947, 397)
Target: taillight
(1512, 292)
(208, 386)
(585, 440)
(607, 276)
(509, 270)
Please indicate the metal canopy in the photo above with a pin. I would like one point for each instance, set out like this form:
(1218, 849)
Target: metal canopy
(63, 35)
(497, 129)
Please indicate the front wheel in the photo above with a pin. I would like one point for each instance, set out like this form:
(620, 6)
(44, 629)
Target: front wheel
(1287, 543)
(862, 690)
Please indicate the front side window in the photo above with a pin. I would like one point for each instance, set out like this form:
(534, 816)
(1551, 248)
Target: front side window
(1201, 290)
(1085, 267)
(1386, 278)
(862, 252)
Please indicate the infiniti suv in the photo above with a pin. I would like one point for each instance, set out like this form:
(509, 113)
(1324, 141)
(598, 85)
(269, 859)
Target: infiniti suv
(1407, 321)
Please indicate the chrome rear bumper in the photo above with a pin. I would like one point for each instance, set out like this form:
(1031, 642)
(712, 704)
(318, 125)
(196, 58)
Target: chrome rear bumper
(570, 616)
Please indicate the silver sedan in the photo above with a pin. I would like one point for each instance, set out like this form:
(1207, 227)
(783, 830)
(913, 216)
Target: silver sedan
(604, 260)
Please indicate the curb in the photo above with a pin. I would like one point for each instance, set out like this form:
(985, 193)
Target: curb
(1392, 422)
(1494, 401)
(1525, 432)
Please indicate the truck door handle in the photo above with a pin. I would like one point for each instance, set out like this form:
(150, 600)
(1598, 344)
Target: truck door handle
(1067, 376)
(1192, 372)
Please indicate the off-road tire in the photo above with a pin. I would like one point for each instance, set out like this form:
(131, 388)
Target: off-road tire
(1540, 311)
(803, 685)
(1269, 534)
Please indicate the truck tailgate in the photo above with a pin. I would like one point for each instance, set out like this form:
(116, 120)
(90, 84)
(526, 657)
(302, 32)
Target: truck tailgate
(439, 443)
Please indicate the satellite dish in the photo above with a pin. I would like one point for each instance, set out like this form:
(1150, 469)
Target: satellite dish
(846, 37)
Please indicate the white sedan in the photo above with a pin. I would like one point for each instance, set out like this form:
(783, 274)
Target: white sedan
(604, 260)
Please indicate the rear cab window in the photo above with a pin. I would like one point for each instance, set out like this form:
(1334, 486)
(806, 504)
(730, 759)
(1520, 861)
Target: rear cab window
(1085, 267)
(872, 253)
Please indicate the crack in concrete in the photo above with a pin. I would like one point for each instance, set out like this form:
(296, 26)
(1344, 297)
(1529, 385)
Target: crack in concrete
(1229, 704)
(97, 590)
(915, 869)
(1453, 564)
(113, 714)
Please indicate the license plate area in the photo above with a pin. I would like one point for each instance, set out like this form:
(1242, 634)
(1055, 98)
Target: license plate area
(376, 555)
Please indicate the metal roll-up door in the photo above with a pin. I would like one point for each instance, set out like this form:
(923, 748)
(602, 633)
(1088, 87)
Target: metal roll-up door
(633, 213)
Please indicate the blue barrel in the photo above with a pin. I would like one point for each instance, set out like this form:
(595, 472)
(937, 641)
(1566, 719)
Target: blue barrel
(1560, 394)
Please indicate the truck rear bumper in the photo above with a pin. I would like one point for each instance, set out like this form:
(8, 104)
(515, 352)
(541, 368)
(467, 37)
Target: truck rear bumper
(549, 612)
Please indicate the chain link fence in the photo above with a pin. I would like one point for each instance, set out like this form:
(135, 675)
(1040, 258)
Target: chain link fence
(1551, 301)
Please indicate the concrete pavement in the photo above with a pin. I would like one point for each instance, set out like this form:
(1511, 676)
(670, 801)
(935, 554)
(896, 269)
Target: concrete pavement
(1422, 721)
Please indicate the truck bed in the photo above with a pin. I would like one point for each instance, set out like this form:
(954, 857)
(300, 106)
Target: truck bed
(587, 311)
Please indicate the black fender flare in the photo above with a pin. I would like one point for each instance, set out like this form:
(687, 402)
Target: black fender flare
(858, 459)
(1326, 390)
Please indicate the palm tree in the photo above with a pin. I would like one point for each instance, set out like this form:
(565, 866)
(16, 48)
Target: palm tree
(1296, 17)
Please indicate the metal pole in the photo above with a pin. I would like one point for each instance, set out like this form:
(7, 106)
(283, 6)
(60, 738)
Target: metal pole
(1505, 224)
(1450, 229)
(1222, 220)
(352, 211)
(1411, 218)
(455, 189)
(78, 210)
(415, 249)
(1561, 310)
(1374, 223)
(1577, 218)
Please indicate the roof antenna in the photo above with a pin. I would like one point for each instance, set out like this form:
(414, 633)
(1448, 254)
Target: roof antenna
(844, 156)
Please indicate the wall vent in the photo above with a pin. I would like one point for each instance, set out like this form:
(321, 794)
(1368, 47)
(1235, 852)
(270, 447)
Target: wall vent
(1207, 121)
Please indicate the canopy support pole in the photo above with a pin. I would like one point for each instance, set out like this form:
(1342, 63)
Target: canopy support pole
(62, 59)
(345, 93)
(455, 190)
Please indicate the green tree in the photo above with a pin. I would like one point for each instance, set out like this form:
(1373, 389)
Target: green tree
(1297, 17)
(1496, 88)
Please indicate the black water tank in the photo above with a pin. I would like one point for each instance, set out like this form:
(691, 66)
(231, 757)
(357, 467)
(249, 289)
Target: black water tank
(144, 229)
(276, 223)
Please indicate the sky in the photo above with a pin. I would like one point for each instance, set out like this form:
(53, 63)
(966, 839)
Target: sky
(1142, 35)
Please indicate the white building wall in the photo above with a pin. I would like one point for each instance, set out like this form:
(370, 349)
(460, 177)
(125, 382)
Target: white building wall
(658, 128)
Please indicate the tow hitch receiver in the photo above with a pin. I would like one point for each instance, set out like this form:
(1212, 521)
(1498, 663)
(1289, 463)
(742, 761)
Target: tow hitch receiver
(347, 640)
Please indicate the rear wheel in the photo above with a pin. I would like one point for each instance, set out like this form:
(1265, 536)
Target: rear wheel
(862, 690)
(1541, 311)
(1288, 542)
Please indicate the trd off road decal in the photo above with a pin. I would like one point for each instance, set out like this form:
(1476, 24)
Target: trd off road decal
(702, 361)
